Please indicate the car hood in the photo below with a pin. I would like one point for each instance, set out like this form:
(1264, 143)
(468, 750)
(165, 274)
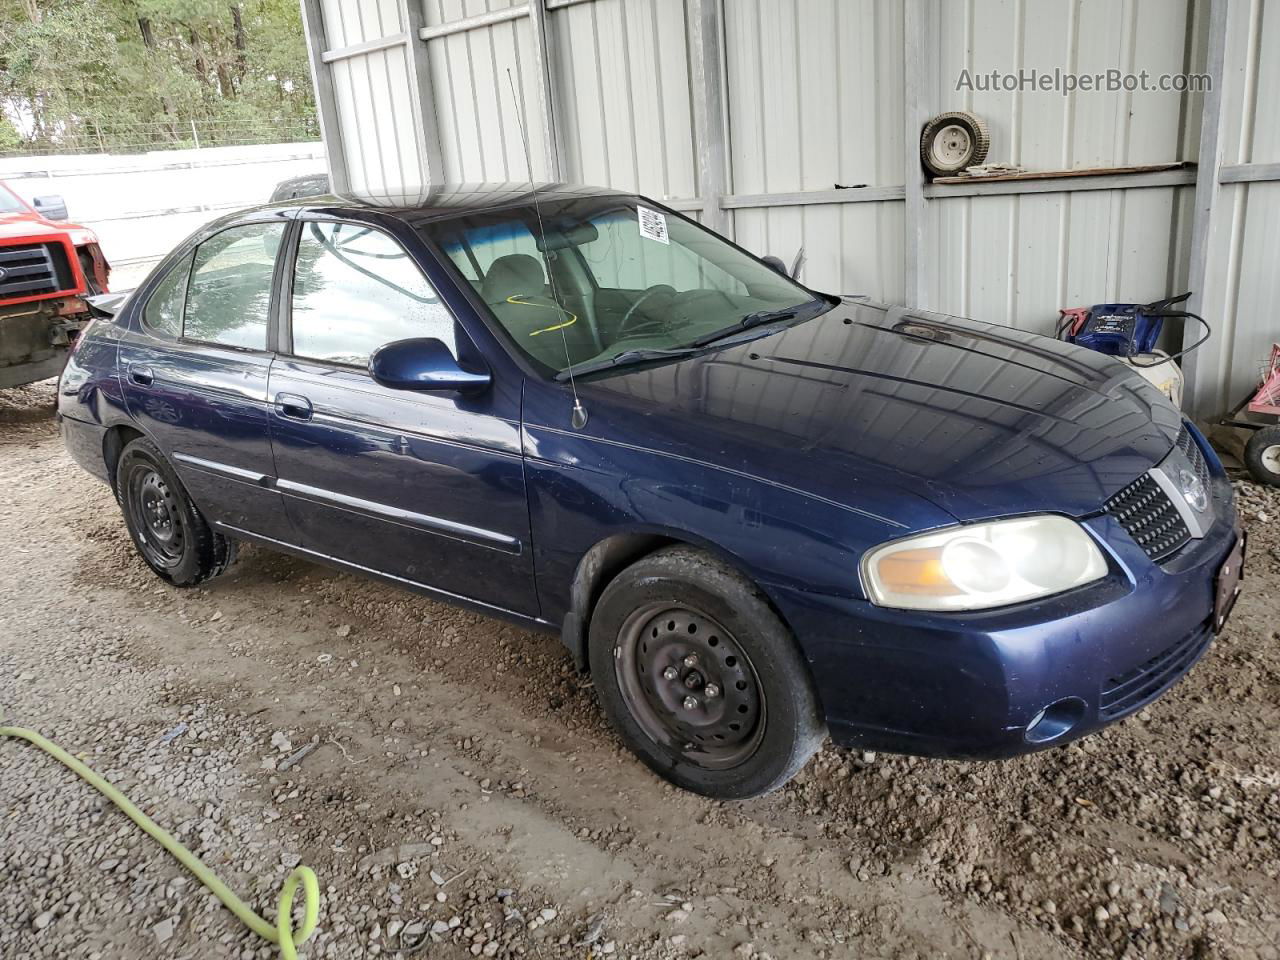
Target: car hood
(869, 402)
(34, 226)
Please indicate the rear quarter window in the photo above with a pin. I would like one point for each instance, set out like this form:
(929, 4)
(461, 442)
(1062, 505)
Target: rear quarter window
(162, 316)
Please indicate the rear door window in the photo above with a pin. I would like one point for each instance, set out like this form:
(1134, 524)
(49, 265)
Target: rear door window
(229, 293)
(356, 289)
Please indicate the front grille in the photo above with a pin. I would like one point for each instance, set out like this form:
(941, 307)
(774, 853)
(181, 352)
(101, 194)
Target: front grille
(1149, 516)
(1191, 450)
(1134, 689)
(27, 271)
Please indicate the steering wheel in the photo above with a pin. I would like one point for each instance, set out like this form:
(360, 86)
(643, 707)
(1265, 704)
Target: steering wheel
(627, 329)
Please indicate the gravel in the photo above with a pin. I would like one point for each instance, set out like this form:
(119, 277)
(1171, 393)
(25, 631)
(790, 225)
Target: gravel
(460, 796)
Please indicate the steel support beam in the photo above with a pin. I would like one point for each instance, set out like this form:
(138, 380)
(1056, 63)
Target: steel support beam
(544, 56)
(326, 103)
(710, 118)
(918, 20)
(1200, 366)
(426, 132)
(473, 23)
(1249, 173)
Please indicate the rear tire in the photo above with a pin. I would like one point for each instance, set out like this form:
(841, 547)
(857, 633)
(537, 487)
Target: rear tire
(1262, 456)
(701, 679)
(168, 530)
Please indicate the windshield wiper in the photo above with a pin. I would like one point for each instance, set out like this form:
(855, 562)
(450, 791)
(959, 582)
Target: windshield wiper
(763, 317)
(625, 358)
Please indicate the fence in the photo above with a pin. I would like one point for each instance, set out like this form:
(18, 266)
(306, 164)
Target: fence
(95, 136)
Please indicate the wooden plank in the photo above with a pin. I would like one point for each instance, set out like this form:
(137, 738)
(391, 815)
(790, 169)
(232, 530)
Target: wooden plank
(1063, 174)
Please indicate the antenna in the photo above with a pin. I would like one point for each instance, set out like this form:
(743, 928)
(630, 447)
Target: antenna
(579, 418)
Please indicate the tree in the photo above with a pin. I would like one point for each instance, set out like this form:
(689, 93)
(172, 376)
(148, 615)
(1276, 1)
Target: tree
(139, 74)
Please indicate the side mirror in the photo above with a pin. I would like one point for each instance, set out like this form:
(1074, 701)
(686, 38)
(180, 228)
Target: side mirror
(776, 263)
(51, 208)
(423, 363)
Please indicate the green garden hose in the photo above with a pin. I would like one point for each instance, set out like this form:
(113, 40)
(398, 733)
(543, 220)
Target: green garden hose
(282, 933)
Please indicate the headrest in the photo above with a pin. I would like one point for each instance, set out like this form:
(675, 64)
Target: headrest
(516, 274)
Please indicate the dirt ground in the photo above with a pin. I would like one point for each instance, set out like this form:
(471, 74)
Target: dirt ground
(464, 797)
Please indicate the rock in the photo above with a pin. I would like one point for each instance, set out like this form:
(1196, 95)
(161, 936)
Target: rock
(43, 920)
(490, 948)
(344, 630)
(1215, 917)
(164, 929)
(547, 914)
(1100, 915)
(281, 742)
(440, 927)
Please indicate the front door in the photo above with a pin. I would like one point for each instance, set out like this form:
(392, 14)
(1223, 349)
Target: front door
(194, 369)
(424, 487)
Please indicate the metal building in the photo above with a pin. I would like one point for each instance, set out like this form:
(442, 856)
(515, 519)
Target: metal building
(789, 123)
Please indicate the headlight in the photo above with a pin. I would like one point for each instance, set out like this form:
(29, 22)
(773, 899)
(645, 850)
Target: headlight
(982, 565)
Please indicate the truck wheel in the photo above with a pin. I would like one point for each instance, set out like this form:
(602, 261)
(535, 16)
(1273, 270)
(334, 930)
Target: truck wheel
(167, 529)
(700, 678)
(1262, 455)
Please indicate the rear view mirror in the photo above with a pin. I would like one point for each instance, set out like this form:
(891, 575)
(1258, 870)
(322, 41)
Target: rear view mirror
(51, 208)
(424, 363)
(776, 263)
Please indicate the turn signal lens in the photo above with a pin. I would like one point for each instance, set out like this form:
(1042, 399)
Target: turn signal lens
(983, 565)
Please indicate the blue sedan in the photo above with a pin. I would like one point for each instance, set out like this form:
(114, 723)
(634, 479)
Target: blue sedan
(756, 513)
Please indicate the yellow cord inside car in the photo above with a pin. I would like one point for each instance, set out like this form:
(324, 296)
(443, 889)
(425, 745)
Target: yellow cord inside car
(282, 933)
(520, 301)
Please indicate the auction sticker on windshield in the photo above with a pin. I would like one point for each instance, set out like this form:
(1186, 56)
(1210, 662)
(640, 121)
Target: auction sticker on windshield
(653, 225)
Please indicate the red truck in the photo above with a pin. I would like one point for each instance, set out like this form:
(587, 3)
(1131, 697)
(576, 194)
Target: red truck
(47, 268)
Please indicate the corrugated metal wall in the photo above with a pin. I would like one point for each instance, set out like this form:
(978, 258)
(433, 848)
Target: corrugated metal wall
(1017, 259)
(1242, 282)
(815, 140)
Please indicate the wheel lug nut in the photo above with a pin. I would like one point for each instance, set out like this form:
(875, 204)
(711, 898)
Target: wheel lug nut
(691, 660)
(670, 673)
(690, 703)
(711, 690)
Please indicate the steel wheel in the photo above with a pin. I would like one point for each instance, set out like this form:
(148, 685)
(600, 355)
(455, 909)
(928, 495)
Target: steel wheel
(952, 141)
(155, 515)
(689, 686)
(1270, 458)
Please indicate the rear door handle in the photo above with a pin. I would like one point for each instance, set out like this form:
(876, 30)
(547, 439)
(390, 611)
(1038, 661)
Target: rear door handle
(142, 375)
(293, 406)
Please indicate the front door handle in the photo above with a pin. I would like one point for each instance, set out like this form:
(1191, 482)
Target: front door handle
(293, 406)
(142, 375)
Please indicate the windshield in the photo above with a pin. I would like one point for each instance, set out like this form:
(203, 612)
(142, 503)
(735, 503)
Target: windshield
(9, 202)
(612, 277)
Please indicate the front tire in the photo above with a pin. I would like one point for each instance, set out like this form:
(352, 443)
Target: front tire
(168, 530)
(701, 679)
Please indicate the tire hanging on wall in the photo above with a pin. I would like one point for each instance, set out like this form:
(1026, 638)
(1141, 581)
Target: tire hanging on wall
(952, 141)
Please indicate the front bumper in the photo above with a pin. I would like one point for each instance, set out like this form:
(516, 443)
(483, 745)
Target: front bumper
(968, 685)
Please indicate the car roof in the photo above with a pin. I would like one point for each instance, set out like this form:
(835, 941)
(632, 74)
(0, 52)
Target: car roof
(447, 200)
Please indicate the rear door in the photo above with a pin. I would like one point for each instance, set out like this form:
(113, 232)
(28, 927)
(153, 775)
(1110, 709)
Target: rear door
(424, 487)
(194, 370)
